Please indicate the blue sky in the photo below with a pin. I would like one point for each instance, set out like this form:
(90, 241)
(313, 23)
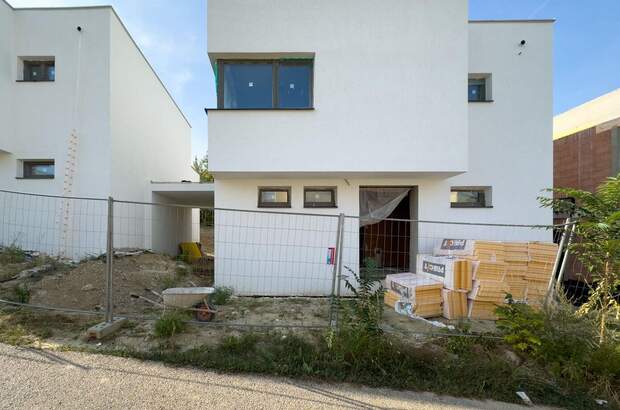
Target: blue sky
(172, 34)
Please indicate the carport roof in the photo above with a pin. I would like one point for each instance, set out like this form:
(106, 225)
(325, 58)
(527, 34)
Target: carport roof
(184, 193)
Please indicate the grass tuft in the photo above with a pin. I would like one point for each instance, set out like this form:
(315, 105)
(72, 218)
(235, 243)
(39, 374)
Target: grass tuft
(170, 323)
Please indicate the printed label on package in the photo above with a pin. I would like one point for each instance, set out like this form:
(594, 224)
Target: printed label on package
(434, 268)
(453, 244)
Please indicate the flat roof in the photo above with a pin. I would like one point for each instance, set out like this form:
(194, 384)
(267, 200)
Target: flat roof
(110, 7)
(593, 113)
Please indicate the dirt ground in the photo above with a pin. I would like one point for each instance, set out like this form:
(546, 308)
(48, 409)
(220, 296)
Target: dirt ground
(207, 239)
(81, 286)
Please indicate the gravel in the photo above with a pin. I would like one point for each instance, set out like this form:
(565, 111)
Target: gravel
(32, 378)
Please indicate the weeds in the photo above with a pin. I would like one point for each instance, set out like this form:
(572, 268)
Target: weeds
(168, 281)
(12, 254)
(364, 312)
(21, 293)
(170, 323)
(221, 296)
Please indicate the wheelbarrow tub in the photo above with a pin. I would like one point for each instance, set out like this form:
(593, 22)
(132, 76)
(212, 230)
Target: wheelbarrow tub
(186, 297)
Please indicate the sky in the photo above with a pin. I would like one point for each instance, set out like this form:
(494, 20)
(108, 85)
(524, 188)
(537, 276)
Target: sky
(172, 35)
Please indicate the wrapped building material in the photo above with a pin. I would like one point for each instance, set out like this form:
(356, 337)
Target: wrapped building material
(454, 304)
(455, 274)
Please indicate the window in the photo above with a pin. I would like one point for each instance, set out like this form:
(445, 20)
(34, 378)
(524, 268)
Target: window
(276, 197)
(36, 70)
(265, 84)
(479, 88)
(43, 169)
(319, 197)
(470, 197)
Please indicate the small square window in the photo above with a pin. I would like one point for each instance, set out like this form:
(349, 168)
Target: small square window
(40, 169)
(470, 197)
(479, 88)
(275, 197)
(39, 70)
(319, 197)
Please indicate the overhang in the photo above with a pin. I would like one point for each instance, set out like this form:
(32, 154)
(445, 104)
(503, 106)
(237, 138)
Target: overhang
(196, 194)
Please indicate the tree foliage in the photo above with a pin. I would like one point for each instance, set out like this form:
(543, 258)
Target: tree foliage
(596, 245)
(201, 167)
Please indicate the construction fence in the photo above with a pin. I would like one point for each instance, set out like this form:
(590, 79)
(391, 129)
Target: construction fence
(283, 269)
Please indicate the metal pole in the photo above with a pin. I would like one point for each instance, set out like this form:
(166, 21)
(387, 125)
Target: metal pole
(558, 257)
(339, 229)
(339, 263)
(109, 262)
(565, 260)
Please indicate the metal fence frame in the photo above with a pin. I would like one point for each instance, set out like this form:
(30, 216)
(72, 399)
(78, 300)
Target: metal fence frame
(337, 276)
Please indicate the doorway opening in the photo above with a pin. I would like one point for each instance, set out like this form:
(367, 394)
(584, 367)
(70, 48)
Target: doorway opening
(388, 230)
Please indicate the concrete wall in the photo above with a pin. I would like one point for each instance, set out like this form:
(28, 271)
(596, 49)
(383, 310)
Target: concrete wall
(389, 86)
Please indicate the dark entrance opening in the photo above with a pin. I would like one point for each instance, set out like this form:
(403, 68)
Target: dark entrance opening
(386, 246)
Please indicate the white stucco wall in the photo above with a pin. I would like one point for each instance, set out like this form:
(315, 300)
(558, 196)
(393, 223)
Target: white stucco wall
(129, 130)
(6, 50)
(388, 86)
(509, 149)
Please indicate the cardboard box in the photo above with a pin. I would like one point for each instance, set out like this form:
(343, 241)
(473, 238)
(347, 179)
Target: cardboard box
(415, 288)
(455, 274)
(432, 309)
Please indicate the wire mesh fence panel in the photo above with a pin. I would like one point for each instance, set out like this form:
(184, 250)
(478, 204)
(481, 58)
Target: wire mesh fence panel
(448, 270)
(49, 250)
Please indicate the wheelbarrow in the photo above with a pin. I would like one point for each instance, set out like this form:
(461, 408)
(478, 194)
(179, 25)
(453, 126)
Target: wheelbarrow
(194, 299)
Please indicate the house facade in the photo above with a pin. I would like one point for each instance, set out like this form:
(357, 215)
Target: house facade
(83, 115)
(323, 104)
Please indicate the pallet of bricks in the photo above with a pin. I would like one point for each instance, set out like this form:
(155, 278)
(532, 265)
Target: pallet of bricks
(470, 278)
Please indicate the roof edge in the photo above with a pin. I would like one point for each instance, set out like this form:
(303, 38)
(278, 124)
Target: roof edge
(515, 21)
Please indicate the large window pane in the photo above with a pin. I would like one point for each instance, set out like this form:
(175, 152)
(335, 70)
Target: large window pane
(248, 86)
(294, 85)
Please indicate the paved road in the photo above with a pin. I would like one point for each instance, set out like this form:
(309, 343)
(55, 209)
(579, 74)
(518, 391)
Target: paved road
(46, 379)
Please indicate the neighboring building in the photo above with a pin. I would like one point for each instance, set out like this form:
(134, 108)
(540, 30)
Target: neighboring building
(586, 143)
(323, 104)
(83, 114)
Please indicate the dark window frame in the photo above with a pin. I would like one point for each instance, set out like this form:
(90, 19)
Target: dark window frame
(331, 204)
(286, 204)
(27, 166)
(476, 205)
(274, 84)
(483, 86)
(43, 65)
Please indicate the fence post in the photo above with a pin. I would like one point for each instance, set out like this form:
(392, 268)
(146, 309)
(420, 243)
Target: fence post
(558, 259)
(333, 319)
(109, 316)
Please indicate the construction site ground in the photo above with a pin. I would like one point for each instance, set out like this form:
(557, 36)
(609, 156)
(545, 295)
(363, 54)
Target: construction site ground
(80, 287)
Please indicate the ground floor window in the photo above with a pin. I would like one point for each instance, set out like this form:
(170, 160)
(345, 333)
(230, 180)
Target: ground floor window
(324, 197)
(274, 197)
(470, 197)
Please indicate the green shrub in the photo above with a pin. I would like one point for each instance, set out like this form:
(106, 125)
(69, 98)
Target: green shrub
(564, 343)
(363, 313)
(170, 323)
(221, 296)
(22, 294)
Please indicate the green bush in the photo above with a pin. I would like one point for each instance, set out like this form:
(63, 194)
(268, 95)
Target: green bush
(565, 344)
(363, 313)
(221, 296)
(170, 323)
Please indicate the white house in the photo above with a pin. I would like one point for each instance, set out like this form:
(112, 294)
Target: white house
(323, 104)
(83, 114)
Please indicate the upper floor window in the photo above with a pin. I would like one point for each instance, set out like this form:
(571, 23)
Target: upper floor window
(479, 88)
(265, 84)
(470, 197)
(38, 169)
(40, 69)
